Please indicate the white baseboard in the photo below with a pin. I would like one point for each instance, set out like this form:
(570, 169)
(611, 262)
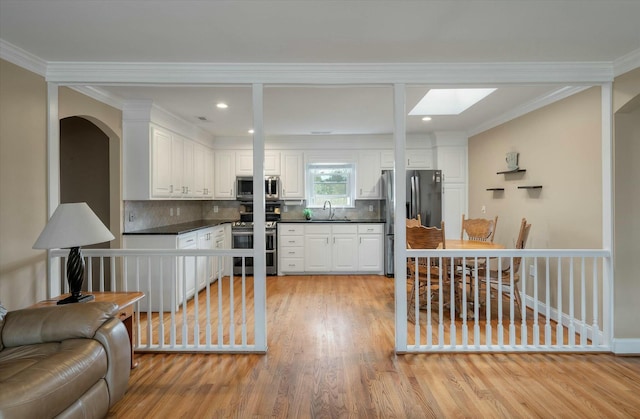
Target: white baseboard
(626, 346)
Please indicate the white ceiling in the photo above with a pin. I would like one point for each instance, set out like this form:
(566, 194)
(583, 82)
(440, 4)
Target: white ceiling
(308, 31)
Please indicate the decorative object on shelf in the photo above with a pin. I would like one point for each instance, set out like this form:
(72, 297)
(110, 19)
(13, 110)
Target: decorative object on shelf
(512, 160)
(71, 226)
(307, 213)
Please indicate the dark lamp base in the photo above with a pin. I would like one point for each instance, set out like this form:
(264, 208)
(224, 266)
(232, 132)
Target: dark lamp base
(82, 298)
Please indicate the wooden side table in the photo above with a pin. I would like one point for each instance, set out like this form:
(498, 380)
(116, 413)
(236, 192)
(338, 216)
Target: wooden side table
(125, 302)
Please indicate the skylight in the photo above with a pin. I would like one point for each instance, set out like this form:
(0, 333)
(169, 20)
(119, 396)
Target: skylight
(449, 101)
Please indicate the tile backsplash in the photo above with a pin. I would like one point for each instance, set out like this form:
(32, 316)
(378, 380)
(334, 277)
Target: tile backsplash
(140, 215)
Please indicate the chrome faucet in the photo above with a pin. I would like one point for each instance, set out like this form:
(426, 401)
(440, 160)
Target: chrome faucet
(331, 214)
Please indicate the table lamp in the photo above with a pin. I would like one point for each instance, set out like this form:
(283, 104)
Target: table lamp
(71, 226)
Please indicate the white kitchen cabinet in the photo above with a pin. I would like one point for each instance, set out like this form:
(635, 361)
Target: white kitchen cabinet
(454, 197)
(292, 175)
(368, 174)
(205, 264)
(387, 159)
(161, 163)
(202, 172)
(317, 248)
(172, 165)
(188, 190)
(330, 248)
(290, 248)
(244, 163)
(419, 159)
(344, 247)
(370, 248)
(453, 163)
(221, 266)
(224, 175)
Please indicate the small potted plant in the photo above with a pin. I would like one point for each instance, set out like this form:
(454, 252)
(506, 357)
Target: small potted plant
(307, 213)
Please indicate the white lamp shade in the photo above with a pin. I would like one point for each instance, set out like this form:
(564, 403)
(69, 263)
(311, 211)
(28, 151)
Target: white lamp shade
(73, 225)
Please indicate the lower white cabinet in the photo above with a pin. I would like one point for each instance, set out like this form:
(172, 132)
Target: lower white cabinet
(330, 248)
(370, 248)
(170, 277)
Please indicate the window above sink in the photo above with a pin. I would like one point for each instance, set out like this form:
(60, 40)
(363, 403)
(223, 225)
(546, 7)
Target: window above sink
(333, 182)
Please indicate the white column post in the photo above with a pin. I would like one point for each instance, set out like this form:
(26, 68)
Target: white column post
(53, 181)
(259, 242)
(607, 211)
(400, 238)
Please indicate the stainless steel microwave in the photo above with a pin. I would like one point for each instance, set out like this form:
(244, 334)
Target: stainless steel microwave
(244, 188)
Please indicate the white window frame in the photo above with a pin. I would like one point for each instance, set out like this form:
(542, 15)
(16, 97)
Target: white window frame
(351, 183)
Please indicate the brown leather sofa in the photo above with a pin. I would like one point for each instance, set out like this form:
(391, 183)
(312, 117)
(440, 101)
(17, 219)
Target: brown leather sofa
(70, 361)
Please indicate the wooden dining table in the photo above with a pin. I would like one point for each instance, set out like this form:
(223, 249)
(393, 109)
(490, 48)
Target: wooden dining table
(460, 276)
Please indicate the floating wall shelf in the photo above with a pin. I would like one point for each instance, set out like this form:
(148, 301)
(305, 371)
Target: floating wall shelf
(530, 187)
(495, 189)
(511, 171)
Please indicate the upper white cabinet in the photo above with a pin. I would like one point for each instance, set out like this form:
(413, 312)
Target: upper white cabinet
(224, 175)
(244, 163)
(202, 172)
(368, 175)
(292, 175)
(160, 164)
(452, 160)
(387, 159)
(419, 159)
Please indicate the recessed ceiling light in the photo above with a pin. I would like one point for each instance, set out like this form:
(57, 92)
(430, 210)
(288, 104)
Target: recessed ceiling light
(251, 131)
(449, 101)
(426, 118)
(222, 105)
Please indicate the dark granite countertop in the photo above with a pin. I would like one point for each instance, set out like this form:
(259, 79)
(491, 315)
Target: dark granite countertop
(179, 228)
(337, 220)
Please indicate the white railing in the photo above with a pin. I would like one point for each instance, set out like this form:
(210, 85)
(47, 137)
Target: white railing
(192, 303)
(565, 306)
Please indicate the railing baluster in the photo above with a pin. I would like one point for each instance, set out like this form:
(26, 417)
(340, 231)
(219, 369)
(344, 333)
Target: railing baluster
(559, 326)
(102, 280)
(196, 323)
(148, 292)
(463, 297)
(429, 328)
(583, 303)
(595, 338)
(161, 331)
(572, 330)
(499, 303)
(512, 320)
(524, 330)
(220, 320)
(89, 270)
(536, 314)
(547, 288)
(452, 306)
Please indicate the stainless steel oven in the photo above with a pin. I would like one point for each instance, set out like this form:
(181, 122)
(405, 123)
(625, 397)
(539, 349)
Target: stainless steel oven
(242, 238)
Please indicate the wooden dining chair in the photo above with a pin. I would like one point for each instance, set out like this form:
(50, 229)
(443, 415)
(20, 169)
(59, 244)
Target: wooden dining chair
(414, 222)
(428, 280)
(502, 277)
(480, 229)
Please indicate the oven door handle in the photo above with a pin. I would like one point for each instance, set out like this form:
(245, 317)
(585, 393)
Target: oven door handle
(241, 233)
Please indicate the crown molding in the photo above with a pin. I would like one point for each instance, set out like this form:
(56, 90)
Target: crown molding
(100, 95)
(22, 58)
(626, 63)
(531, 106)
(339, 73)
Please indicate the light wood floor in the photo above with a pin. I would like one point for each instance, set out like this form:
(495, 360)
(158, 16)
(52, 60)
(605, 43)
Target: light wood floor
(331, 355)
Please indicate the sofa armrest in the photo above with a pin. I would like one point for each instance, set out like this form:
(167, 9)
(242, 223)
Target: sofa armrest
(114, 338)
(56, 323)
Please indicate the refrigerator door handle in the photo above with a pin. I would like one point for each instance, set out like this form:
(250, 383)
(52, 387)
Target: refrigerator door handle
(413, 197)
(417, 198)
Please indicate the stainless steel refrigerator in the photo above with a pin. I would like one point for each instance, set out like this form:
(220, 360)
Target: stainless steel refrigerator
(424, 197)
